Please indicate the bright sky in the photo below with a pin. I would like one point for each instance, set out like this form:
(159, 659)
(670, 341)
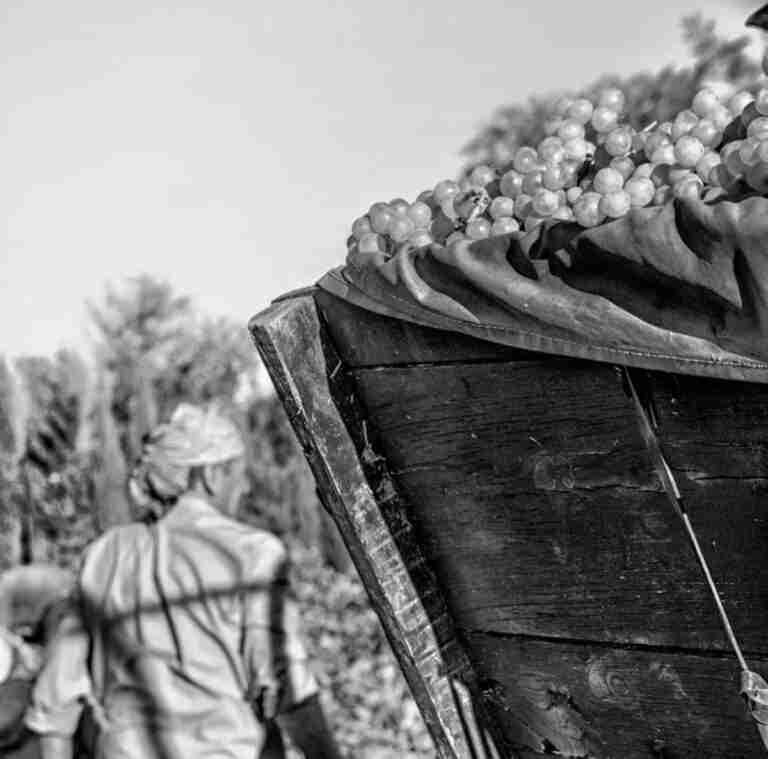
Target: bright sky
(227, 146)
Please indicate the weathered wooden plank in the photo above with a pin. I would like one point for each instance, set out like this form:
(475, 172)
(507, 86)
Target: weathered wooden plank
(537, 506)
(357, 490)
(601, 702)
(364, 338)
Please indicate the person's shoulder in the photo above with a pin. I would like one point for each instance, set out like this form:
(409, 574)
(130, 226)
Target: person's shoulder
(263, 550)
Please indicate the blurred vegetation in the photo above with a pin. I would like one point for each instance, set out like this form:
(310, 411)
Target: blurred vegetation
(70, 428)
(715, 60)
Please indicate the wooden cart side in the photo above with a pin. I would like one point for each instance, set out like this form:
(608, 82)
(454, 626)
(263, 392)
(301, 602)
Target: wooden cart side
(356, 489)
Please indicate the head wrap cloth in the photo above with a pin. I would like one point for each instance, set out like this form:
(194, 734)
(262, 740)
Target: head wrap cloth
(193, 437)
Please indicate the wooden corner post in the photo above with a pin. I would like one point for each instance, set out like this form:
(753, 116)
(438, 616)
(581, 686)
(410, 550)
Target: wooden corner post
(356, 488)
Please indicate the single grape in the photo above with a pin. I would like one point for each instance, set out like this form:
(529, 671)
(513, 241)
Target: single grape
(684, 122)
(526, 159)
(749, 152)
(707, 133)
(706, 163)
(576, 149)
(624, 165)
(504, 225)
(721, 117)
(361, 227)
(654, 141)
(533, 181)
(761, 102)
(689, 188)
(758, 128)
(448, 208)
(420, 214)
(381, 218)
(482, 176)
(615, 204)
(502, 206)
(581, 110)
(563, 213)
(720, 176)
(757, 177)
(545, 202)
(586, 209)
(420, 238)
(643, 170)
(570, 170)
(618, 142)
(688, 151)
(371, 243)
(511, 184)
(607, 180)
(731, 157)
(604, 119)
(399, 206)
(401, 228)
(664, 154)
(640, 190)
(612, 99)
(551, 150)
(704, 102)
(570, 130)
(479, 229)
(445, 189)
(553, 177)
(573, 194)
(739, 102)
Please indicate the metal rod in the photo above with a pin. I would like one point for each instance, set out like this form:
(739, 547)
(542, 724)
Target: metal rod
(713, 588)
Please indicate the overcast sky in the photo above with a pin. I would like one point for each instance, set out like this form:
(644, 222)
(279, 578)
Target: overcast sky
(228, 145)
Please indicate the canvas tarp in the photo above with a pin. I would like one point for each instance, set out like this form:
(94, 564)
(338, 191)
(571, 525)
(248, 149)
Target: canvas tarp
(681, 288)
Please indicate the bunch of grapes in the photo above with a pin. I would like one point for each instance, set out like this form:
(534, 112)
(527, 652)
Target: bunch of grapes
(590, 168)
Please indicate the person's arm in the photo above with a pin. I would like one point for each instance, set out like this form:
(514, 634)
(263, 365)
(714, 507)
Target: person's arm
(56, 747)
(308, 728)
(282, 683)
(61, 686)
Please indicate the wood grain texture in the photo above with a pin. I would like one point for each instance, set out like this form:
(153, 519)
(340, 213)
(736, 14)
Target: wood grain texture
(537, 505)
(355, 487)
(607, 703)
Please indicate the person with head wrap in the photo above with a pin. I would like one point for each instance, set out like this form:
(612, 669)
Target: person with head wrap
(185, 644)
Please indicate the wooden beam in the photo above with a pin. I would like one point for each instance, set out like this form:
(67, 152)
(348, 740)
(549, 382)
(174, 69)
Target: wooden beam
(356, 488)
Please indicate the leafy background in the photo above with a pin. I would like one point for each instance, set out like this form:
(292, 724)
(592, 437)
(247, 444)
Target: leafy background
(71, 424)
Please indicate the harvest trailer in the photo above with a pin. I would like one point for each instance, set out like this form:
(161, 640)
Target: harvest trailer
(505, 515)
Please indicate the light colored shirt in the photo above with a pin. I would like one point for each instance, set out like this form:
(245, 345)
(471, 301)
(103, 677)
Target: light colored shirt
(184, 629)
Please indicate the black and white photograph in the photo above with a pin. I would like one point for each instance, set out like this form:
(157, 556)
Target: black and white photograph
(384, 380)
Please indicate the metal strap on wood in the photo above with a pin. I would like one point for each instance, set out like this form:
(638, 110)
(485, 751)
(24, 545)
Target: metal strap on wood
(753, 687)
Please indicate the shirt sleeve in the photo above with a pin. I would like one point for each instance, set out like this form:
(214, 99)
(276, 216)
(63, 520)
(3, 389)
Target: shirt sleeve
(276, 657)
(63, 682)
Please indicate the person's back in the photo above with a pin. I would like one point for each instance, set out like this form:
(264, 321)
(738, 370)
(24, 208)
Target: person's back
(182, 638)
(170, 608)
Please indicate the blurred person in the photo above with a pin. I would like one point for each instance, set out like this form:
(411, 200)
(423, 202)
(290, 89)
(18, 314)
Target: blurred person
(183, 642)
(32, 599)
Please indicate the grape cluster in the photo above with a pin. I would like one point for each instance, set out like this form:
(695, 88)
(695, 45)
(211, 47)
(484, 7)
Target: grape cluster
(590, 168)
